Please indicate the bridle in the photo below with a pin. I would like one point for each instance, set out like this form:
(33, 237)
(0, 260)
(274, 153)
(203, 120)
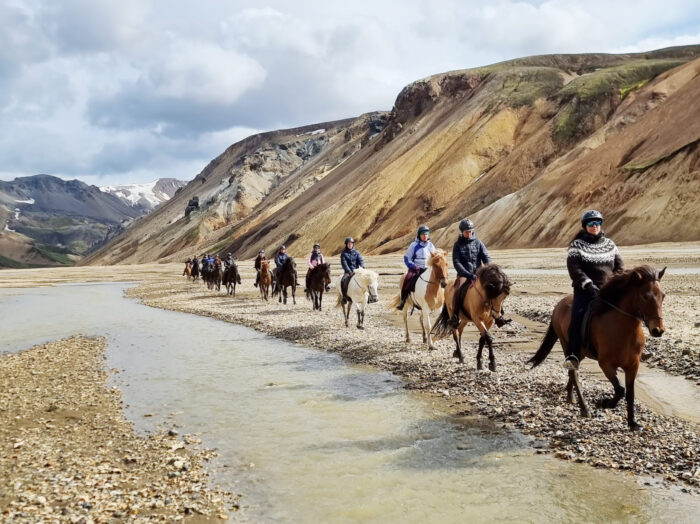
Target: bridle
(490, 301)
(643, 318)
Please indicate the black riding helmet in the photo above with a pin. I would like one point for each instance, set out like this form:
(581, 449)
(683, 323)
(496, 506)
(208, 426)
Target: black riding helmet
(466, 225)
(422, 229)
(348, 240)
(283, 247)
(589, 215)
(317, 245)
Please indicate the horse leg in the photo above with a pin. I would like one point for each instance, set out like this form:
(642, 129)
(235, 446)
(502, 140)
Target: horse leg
(611, 373)
(570, 389)
(457, 335)
(482, 341)
(431, 347)
(346, 315)
(630, 376)
(422, 325)
(405, 323)
(573, 375)
(294, 292)
(492, 357)
(360, 319)
(320, 299)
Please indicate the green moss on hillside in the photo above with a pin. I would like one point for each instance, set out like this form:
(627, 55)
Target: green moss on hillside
(12, 264)
(51, 253)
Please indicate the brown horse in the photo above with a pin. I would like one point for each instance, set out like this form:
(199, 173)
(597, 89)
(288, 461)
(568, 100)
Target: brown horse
(428, 295)
(188, 270)
(231, 278)
(285, 278)
(318, 278)
(482, 305)
(616, 337)
(265, 279)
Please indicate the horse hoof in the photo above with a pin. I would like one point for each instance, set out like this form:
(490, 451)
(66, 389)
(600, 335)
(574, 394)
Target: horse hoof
(635, 427)
(432, 348)
(360, 327)
(607, 403)
(585, 413)
(479, 366)
(492, 366)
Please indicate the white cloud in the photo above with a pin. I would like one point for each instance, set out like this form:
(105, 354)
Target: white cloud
(129, 90)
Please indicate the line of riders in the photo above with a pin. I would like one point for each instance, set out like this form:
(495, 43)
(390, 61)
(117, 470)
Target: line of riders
(591, 260)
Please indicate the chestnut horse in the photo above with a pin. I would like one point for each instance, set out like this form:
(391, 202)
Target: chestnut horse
(616, 337)
(188, 270)
(319, 277)
(428, 296)
(482, 305)
(265, 279)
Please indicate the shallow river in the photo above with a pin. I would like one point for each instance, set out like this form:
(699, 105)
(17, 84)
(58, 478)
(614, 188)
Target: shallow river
(305, 437)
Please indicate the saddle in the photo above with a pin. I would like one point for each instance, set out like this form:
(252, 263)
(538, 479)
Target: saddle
(586, 330)
(462, 295)
(411, 285)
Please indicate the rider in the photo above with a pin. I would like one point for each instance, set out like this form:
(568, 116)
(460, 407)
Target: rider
(591, 260)
(228, 261)
(205, 263)
(195, 265)
(280, 259)
(416, 260)
(258, 265)
(315, 259)
(468, 254)
(350, 259)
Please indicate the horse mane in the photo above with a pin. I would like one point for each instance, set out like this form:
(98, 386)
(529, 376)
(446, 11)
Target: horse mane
(493, 280)
(366, 276)
(437, 253)
(617, 285)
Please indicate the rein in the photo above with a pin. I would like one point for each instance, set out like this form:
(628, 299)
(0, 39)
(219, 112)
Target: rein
(642, 319)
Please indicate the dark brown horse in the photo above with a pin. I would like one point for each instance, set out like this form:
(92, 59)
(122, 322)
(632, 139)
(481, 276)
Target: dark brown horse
(616, 337)
(482, 305)
(285, 278)
(265, 279)
(231, 278)
(319, 277)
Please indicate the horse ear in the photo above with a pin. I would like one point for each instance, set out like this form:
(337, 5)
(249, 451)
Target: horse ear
(661, 274)
(637, 275)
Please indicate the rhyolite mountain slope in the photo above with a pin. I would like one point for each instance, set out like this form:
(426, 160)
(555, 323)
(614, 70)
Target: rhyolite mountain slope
(45, 220)
(146, 197)
(522, 146)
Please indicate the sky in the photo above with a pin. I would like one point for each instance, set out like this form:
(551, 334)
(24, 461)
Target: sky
(127, 91)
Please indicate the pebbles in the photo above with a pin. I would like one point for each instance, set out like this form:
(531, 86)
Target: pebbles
(531, 401)
(68, 454)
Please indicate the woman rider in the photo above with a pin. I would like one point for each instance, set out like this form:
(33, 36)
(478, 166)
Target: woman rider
(416, 260)
(315, 259)
(591, 261)
(350, 259)
(280, 260)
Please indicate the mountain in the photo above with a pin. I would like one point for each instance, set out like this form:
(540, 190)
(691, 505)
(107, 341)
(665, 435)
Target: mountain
(522, 146)
(145, 197)
(45, 220)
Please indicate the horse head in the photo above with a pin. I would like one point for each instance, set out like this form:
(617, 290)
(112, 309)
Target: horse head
(326, 273)
(646, 296)
(369, 281)
(494, 281)
(438, 261)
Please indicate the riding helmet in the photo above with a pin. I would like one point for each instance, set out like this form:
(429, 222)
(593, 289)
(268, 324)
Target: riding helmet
(348, 240)
(466, 225)
(589, 215)
(317, 245)
(423, 229)
(261, 251)
(282, 247)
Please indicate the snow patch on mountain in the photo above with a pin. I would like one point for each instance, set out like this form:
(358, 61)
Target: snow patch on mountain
(146, 196)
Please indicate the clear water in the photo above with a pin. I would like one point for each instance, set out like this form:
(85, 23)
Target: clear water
(306, 437)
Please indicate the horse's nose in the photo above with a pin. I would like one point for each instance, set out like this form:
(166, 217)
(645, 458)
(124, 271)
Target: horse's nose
(657, 332)
(443, 284)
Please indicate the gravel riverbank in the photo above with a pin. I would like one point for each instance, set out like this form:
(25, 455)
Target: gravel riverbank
(515, 397)
(69, 455)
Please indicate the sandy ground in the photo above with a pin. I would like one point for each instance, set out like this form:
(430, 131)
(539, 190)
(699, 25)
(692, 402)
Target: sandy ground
(69, 455)
(514, 397)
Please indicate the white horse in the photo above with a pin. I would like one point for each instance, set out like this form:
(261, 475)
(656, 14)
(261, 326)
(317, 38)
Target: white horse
(428, 296)
(361, 289)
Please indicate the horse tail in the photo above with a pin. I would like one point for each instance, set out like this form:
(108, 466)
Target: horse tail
(395, 303)
(442, 327)
(545, 347)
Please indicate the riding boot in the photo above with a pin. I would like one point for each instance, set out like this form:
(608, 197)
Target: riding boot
(578, 310)
(456, 306)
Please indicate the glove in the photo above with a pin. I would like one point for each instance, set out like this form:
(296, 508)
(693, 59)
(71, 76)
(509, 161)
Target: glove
(591, 289)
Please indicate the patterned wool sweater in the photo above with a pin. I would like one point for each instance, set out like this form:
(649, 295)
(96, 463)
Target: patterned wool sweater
(592, 259)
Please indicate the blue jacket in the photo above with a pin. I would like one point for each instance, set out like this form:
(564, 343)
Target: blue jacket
(468, 255)
(351, 259)
(417, 254)
(280, 259)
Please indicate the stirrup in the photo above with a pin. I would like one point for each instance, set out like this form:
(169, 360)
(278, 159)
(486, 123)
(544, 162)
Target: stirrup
(571, 363)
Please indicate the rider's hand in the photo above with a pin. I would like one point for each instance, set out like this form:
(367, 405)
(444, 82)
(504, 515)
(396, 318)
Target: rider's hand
(592, 289)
